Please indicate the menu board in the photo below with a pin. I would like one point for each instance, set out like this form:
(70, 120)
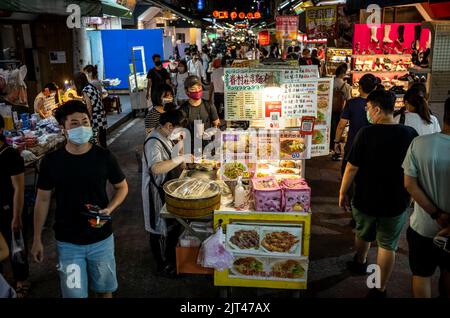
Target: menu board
(299, 99)
(246, 92)
(321, 135)
(304, 72)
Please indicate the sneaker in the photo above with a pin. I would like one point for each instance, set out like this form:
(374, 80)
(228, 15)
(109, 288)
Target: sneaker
(356, 267)
(376, 294)
(336, 157)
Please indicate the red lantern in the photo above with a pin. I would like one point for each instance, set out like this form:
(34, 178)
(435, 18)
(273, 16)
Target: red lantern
(257, 15)
(216, 14)
(250, 15)
(233, 15)
(264, 38)
(241, 15)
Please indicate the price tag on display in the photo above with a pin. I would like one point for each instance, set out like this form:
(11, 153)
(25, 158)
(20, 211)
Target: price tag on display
(307, 125)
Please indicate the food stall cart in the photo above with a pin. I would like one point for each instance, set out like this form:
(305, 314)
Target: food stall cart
(268, 234)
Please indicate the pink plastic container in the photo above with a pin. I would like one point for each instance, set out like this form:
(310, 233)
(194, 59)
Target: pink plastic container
(296, 194)
(267, 194)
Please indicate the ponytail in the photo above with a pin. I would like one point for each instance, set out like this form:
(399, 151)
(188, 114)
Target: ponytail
(415, 98)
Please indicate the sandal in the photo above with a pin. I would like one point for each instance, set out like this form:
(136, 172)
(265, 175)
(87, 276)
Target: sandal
(23, 291)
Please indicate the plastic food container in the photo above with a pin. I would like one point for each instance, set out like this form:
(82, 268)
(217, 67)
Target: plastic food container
(297, 195)
(267, 194)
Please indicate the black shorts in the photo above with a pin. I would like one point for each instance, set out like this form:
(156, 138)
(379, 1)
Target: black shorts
(424, 255)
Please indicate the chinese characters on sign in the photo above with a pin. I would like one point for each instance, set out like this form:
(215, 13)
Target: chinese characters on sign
(321, 22)
(299, 99)
(246, 92)
(287, 27)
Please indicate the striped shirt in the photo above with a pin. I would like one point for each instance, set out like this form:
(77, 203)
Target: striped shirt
(152, 118)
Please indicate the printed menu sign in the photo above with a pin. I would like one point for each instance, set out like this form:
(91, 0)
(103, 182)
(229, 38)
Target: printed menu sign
(321, 134)
(304, 72)
(247, 93)
(299, 99)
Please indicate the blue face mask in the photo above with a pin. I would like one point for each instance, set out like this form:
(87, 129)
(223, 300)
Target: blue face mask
(79, 135)
(369, 119)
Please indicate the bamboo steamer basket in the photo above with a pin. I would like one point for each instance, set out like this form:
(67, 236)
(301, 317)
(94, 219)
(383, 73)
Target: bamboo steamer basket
(188, 207)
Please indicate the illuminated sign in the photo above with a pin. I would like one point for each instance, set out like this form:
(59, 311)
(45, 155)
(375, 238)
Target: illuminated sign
(234, 15)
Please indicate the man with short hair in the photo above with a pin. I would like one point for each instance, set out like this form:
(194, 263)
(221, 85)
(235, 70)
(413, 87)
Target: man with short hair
(380, 202)
(45, 101)
(156, 76)
(427, 179)
(79, 173)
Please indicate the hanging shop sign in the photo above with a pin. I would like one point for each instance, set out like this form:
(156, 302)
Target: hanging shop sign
(234, 15)
(264, 38)
(287, 27)
(321, 22)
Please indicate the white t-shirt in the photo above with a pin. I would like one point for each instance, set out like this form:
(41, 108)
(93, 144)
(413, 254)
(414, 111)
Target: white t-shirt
(217, 79)
(196, 68)
(181, 92)
(413, 120)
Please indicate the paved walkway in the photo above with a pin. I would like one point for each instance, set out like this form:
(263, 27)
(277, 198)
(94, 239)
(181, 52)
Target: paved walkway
(331, 242)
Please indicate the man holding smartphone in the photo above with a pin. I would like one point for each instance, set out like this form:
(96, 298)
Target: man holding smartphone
(79, 173)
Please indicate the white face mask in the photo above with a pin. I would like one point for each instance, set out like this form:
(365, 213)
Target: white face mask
(79, 135)
(167, 100)
(175, 136)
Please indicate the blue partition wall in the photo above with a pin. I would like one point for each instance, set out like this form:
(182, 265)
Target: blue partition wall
(117, 46)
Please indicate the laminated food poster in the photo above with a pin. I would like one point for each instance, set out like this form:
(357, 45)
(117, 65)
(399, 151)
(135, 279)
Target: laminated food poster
(294, 146)
(321, 135)
(266, 252)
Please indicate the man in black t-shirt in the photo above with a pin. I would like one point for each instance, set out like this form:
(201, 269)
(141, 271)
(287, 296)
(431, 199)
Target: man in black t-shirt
(380, 201)
(79, 173)
(11, 206)
(156, 76)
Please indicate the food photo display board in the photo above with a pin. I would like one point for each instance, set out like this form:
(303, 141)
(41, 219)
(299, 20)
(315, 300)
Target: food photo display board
(270, 250)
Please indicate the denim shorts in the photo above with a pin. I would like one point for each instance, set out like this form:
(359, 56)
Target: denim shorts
(384, 230)
(90, 265)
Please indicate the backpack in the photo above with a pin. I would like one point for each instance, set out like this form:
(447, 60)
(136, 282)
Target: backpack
(338, 99)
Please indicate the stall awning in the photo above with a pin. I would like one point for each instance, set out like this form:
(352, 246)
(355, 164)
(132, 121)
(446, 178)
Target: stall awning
(89, 8)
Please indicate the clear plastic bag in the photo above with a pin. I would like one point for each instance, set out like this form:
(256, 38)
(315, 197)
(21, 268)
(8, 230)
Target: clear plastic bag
(18, 248)
(213, 253)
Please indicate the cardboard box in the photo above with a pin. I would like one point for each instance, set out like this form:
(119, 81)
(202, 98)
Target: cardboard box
(187, 261)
